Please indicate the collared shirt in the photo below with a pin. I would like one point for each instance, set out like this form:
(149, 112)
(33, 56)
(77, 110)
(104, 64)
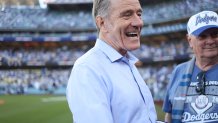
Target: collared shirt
(105, 87)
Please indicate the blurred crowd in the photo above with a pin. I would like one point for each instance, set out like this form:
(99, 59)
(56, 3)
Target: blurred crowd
(66, 55)
(71, 1)
(176, 10)
(51, 81)
(163, 48)
(54, 81)
(33, 81)
(157, 78)
(41, 56)
(37, 18)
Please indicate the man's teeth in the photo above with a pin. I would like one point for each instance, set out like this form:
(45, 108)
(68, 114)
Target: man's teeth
(131, 34)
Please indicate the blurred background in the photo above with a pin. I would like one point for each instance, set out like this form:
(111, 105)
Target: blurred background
(41, 39)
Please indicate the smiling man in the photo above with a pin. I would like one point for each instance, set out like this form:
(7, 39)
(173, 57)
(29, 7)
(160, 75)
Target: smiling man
(104, 85)
(192, 94)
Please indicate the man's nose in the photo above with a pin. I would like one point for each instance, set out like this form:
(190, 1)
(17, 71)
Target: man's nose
(210, 40)
(137, 21)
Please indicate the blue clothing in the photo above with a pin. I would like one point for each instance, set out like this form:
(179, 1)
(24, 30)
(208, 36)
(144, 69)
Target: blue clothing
(202, 108)
(177, 89)
(194, 110)
(105, 87)
(176, 77)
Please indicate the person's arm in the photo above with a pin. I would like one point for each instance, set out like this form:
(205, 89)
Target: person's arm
(167, 118)
(87, 96)
(167, 106)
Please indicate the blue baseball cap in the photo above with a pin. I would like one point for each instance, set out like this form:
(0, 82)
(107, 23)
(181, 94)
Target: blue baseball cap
(201, 22)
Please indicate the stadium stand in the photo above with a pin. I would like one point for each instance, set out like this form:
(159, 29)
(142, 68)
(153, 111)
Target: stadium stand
(38, 46)
(70, 1)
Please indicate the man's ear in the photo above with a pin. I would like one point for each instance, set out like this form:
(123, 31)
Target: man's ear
(189, 40)
(100, 22)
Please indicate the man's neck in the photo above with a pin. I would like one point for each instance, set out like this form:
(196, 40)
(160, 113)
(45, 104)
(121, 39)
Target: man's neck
(206, 63)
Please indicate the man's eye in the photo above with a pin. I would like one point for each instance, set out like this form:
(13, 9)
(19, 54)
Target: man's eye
(202, 36)
(139, 14)
(214, 35)
(127, 14)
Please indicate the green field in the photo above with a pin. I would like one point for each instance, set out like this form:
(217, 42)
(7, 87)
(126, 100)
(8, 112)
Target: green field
(34, 109)
(38, 109)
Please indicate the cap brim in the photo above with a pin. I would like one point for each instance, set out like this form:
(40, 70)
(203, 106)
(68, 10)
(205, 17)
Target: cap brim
(202, 29)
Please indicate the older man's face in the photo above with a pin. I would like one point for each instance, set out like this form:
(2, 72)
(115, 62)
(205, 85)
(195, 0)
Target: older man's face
(206, 44)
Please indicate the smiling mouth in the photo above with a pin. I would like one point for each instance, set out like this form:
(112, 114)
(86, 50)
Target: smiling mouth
(132, 34)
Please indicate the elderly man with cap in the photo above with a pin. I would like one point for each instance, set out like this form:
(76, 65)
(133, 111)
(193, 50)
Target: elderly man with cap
(192, 93)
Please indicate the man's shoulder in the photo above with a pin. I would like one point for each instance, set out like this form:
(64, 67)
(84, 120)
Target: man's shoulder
(91, 57)
(182, 66)
(87, 57)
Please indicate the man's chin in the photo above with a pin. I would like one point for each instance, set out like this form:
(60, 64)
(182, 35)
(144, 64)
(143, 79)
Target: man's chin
(134, 48)
(211, 56)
